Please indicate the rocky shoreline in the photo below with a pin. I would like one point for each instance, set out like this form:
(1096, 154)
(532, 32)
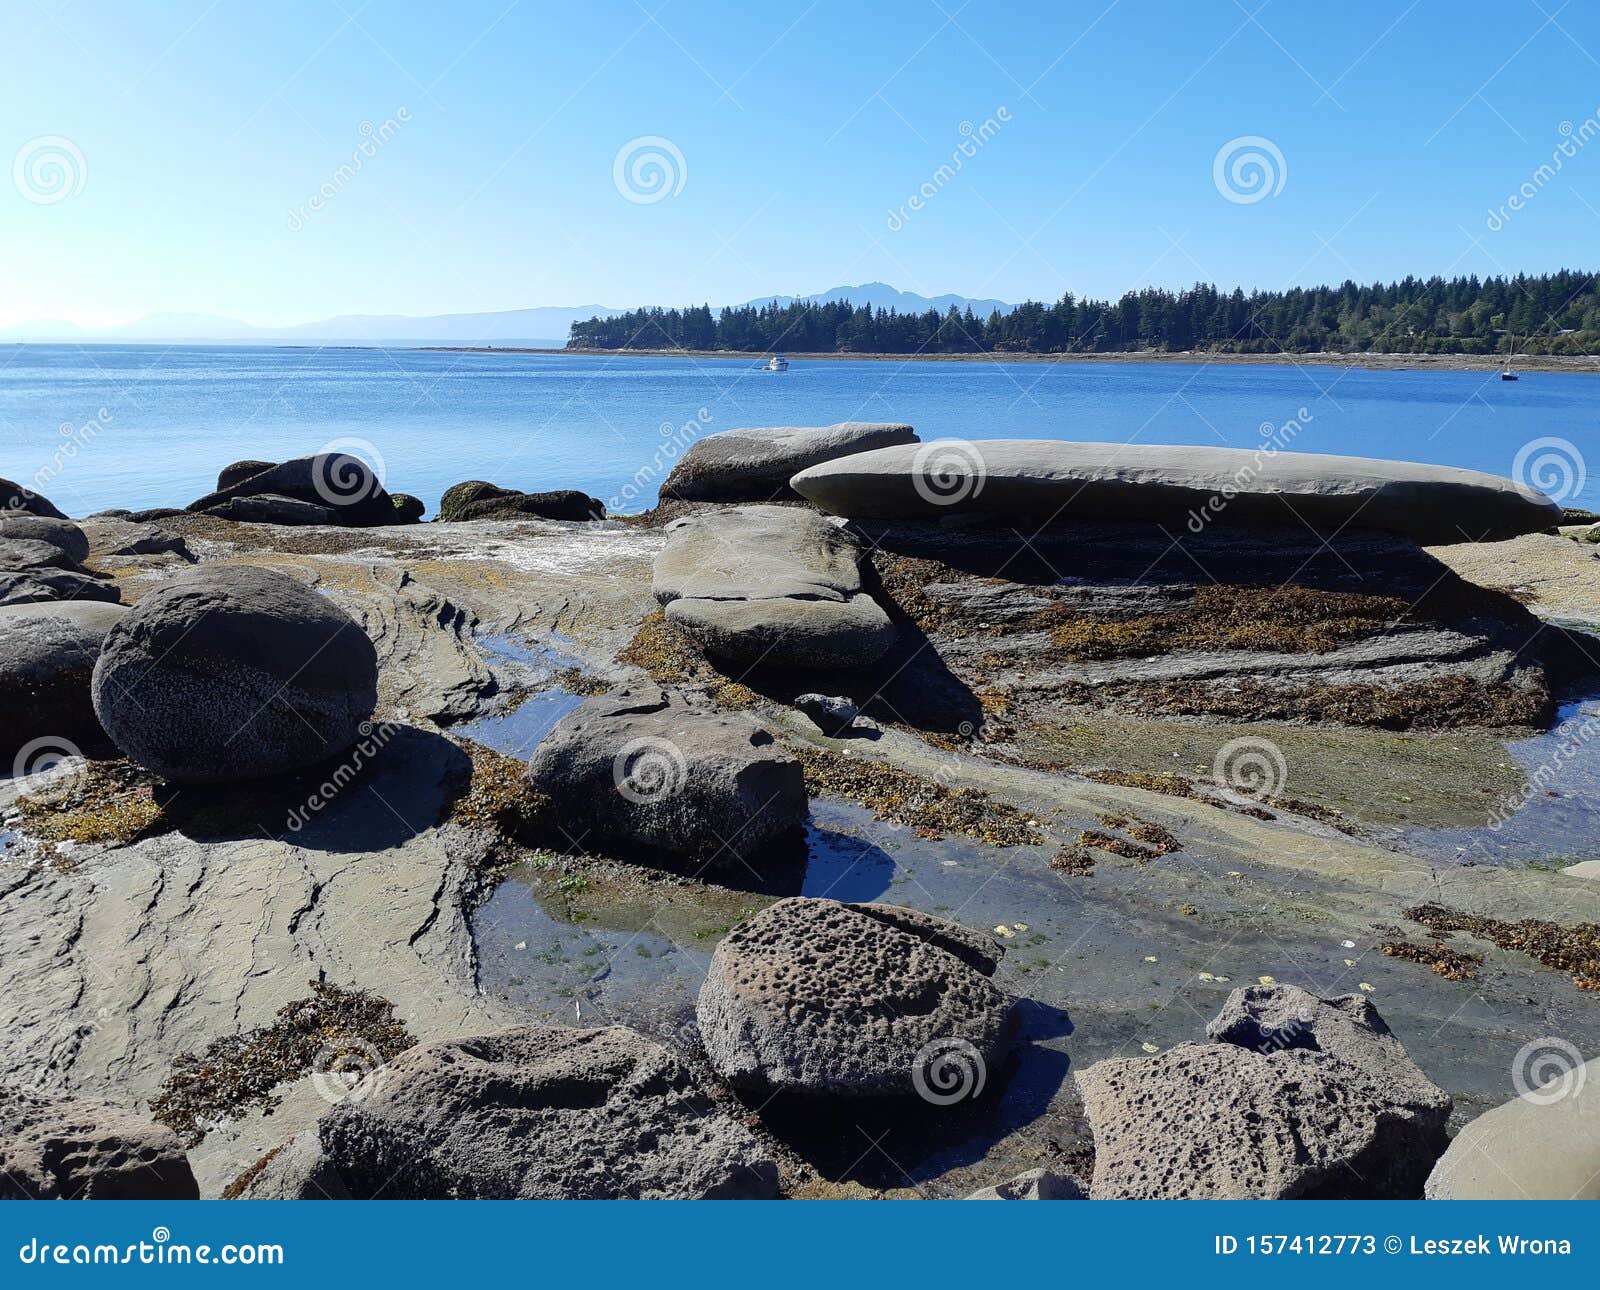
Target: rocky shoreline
(746, 850)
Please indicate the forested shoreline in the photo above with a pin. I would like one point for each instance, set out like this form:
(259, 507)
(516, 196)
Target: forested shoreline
(1555, 314)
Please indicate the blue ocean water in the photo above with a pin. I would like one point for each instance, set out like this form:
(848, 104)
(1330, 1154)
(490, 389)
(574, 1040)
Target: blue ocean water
(139, 426)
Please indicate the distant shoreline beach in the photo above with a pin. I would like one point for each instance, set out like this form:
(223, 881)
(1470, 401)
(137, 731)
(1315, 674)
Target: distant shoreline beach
(1392, 362)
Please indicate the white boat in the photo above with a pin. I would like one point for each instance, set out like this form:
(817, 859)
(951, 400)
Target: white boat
(777, 363)
(1506, 374)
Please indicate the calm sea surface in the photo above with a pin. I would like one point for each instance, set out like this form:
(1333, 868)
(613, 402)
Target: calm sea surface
(140, 426)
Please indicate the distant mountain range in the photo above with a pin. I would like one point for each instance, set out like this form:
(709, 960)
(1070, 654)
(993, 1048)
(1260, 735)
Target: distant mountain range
(545, 327)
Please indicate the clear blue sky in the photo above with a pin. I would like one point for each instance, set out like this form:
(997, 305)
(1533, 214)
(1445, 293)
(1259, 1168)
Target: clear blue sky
(202, 124)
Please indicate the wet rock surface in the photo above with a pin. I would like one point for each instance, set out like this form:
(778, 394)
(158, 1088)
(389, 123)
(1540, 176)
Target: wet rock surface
(69, 1148)
(821, 997)
(642, 768)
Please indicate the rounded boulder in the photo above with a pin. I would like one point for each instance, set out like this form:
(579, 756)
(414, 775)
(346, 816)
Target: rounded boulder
(234, 673)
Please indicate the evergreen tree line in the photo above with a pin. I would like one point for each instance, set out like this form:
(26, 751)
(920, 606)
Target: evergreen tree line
(1556, 313)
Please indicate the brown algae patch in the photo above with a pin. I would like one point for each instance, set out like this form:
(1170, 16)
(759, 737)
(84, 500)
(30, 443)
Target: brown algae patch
(106, 802)
(1574, 949)
(929, 809)
(1451, 964)
(1283, 620)
(499, 797)
(1074, 861)
(666, 656)
(337, 1033)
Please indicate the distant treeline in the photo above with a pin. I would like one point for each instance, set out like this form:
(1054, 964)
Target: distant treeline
(1556, 313)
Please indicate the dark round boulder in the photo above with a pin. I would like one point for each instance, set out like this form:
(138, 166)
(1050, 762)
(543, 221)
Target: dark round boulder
(47, 656)
(15, 498)
(240, 471)
(407, 509)
(234, 673)
(341, 482)
(64, 534)
(477, 500)
(27, 553)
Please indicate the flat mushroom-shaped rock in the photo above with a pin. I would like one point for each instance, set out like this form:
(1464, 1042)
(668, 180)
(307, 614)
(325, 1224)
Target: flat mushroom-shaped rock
(1301, 1097)
(36, 585)
(642, 768)
(1543, 1145)
(47, 656)
(821, 997)
(234, 672)
(773, 585)
(1195, 487)
(754, 465)
(73, 1148)
(538, 1112)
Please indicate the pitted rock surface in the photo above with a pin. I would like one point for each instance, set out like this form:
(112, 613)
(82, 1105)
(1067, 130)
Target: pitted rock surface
(236, 672)
(1305, 1097)
(818, 996)
(47, 656)
(541, 1112)
(74, 1148)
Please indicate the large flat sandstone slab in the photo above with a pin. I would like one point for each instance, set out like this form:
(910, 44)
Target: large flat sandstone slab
(1195, 487)
(754, 465)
